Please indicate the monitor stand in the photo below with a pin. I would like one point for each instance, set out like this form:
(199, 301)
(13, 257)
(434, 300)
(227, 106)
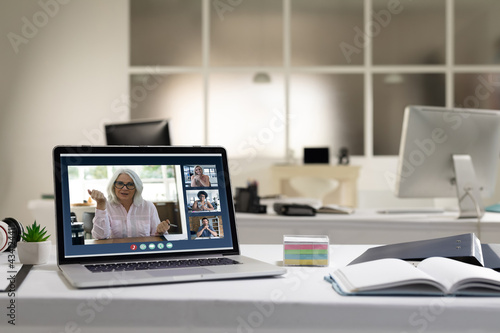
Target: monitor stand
(470, 204)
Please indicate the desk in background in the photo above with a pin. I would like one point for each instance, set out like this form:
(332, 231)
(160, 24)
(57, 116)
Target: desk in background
(300, 301)
(347, 175)
(363, 227)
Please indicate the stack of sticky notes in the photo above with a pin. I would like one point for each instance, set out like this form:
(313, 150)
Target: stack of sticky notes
(305, 250)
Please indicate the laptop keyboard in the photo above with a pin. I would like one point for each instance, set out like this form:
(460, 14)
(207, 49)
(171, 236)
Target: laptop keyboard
(182, 263)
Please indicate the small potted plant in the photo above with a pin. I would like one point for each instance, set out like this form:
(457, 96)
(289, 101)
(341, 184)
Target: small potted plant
(35, 247)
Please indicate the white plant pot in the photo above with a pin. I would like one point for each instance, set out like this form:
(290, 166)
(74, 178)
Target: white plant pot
(34, 253)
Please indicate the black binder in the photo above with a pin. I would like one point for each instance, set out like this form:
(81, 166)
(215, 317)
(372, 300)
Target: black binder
(491, 256)
(466, 248)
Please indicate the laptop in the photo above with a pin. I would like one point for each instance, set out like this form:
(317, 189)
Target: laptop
(112, 248)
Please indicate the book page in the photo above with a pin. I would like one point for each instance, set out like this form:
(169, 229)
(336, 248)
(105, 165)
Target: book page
(382, 274)
(455, 275)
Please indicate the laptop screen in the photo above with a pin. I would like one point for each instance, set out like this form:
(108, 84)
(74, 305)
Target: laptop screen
(111, 201)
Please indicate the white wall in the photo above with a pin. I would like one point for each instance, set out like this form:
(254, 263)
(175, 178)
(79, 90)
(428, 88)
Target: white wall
(57, 89)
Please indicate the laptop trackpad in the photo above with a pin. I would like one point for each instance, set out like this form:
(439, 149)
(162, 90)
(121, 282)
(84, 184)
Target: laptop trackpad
(179, 271)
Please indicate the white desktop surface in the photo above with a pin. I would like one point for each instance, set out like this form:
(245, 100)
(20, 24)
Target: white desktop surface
(300, 301)
(364, 227)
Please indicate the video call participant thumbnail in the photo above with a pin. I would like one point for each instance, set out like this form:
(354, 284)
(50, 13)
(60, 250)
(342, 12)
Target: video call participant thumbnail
(206, 230)
(202, 204)
(199, 179)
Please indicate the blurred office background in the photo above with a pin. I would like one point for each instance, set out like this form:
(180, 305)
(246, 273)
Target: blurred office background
(264, 78)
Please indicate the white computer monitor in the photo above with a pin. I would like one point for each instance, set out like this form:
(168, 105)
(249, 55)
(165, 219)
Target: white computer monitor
(449, 152)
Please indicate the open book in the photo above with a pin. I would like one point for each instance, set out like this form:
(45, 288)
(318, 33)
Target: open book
(432, 276)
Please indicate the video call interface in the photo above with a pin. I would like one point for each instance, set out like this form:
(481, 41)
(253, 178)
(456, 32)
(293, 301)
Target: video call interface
(185, 192)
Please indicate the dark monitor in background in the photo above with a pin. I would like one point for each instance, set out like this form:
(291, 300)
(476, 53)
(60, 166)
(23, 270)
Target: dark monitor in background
(139, 133)
(449, 152)
(317, 155)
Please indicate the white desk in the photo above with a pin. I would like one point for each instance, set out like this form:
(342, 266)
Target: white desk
(363, 227)
(300, 301)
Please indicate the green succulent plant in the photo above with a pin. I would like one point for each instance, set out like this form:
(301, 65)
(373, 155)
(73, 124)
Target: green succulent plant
(33, 233)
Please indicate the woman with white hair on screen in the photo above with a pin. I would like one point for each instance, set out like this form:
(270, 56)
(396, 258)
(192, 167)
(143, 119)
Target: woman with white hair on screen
(125, 213)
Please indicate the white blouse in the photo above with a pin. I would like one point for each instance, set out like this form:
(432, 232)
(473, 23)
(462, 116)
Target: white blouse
(114, 222)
